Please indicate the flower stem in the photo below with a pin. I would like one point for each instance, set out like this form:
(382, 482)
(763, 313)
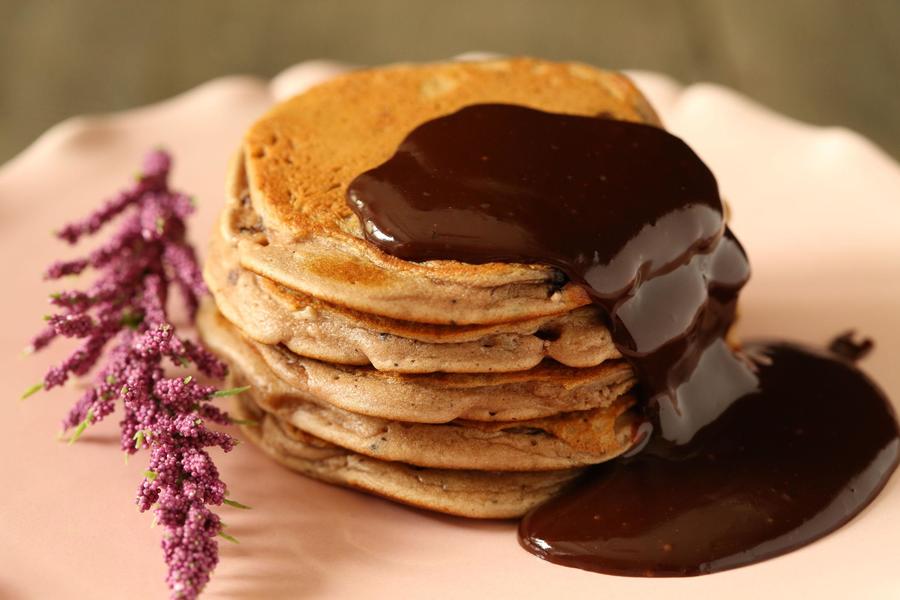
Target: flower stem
(88, 418)
(230, 392)
(230, 538)
(32, 390)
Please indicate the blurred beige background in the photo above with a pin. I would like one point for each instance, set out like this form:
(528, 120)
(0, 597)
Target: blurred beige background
(832, 62)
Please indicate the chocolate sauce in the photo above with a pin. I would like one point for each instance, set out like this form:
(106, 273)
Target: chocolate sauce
(624, 209)
(781, 467)
(846, 346)
(629, 212)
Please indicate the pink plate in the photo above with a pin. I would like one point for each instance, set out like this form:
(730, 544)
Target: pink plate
(817, 209)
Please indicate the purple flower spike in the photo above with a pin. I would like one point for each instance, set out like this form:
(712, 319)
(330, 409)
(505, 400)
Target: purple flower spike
(169, 416)
(157, 164)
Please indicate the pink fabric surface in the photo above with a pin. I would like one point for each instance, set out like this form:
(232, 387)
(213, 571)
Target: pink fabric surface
(817, 209)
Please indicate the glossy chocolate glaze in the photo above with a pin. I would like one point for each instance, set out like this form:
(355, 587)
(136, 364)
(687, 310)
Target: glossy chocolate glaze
(629, 212)
(624, 209)
(847, 346)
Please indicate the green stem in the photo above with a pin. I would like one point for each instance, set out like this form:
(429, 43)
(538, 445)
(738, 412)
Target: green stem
(82, 426)
(230, 538)
(33, 390)
(231, 392)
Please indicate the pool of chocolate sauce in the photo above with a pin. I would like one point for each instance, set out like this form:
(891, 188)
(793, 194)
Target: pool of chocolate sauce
(792, 460)
(739, 448)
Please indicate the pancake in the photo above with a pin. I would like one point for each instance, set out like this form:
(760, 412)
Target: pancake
(543, 391)
(477, 390)
(272, 314)
(561, 441)
(299, 159)
(465, 493)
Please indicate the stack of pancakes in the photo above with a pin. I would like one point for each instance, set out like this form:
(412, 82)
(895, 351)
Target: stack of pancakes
(477, 390)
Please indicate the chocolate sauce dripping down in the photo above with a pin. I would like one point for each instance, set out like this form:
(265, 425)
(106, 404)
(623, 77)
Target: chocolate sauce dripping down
(626, 210)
